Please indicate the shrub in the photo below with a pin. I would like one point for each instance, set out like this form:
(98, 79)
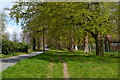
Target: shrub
(22, 47)
(9, 47)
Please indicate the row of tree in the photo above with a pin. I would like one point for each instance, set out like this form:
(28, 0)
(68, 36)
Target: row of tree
(66, 25)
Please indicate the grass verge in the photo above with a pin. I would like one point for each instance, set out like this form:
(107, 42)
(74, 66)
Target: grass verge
(79, 65)
(35, 67)
(91, 66)
(14, 54)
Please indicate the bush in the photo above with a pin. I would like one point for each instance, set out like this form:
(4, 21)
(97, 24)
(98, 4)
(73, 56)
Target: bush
(64, 49)
(10, 47)
(22, 47)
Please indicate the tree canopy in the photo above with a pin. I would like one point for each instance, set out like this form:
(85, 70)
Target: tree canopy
(67, 22)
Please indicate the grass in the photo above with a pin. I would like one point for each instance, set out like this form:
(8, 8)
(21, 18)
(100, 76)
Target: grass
(23, 70)
(35, 67)
(91, 66)
(15, 54)
(79, 65)
(92, 70)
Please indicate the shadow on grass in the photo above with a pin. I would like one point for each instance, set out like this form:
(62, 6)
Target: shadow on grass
(53, 56)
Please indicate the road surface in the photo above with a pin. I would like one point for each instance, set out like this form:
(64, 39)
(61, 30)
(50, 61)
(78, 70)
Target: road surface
(8, 62)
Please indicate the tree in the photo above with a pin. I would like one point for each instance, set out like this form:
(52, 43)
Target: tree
(60, 20)
(2, 22)
(86, 48)
(99, 21)
(15, 37)
(5, 36)
(23, 39)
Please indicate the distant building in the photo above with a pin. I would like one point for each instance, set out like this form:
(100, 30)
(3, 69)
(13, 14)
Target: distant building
(112, 44)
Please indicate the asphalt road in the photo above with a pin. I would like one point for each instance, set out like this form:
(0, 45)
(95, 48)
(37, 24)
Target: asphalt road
(8, 62)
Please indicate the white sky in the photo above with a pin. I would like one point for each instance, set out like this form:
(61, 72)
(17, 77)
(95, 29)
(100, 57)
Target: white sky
(11, 26)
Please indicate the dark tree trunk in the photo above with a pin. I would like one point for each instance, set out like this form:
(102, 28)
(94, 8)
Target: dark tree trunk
(38, 44)
(58, 46)
(43, 42)
(98, 41)
(34, 43)
(99, 45)
(86, 48)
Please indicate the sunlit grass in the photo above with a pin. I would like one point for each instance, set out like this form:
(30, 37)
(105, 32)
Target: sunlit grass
(35, 67)
(92, 70)
(14, 54)
(79, 65)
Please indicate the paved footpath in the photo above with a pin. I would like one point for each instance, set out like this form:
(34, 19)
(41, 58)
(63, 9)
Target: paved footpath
(8, 62)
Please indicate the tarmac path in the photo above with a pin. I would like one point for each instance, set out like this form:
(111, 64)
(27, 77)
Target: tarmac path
(8, 62)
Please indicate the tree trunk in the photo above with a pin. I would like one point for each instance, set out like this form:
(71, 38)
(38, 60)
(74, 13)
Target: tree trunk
(38, 44)
(86, 48)
(34, 44)
(99, 40)
(109, 49)
(106, 46)
(58, 46)
(43, 42)
(99, 45)
(71, 46)
(76, 47)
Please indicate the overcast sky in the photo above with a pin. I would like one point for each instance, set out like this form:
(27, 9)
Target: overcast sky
(11, 26)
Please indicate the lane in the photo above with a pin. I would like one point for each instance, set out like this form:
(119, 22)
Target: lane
(8, 62)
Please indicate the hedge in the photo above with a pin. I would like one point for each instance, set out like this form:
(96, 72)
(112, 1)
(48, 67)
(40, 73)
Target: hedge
(10, 47)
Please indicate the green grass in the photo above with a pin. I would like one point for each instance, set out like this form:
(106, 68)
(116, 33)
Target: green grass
(15, 54)
(79, 65)
(92, 66)
(35, 67)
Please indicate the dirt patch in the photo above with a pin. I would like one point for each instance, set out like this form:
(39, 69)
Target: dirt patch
(65, 69)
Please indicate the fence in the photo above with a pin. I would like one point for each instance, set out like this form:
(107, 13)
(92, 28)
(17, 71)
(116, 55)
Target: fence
(112, 48)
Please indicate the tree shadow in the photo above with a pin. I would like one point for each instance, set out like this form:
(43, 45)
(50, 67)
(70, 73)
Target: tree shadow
(74, 56)
(14, 60)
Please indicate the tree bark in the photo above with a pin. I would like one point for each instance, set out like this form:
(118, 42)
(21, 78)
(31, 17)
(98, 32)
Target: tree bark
(34, 43)
(106, 45)
(43, 42)
(38, 44)
(99, 45)
(71, 46)
(86, 48)
(98, 40)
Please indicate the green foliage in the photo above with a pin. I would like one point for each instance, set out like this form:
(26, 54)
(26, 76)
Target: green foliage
(9, 47)
(67, 20)
(2, 21)
(63, 17)
(22, 47)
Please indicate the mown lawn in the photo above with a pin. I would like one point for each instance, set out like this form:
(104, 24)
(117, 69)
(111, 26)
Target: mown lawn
(79, 65)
